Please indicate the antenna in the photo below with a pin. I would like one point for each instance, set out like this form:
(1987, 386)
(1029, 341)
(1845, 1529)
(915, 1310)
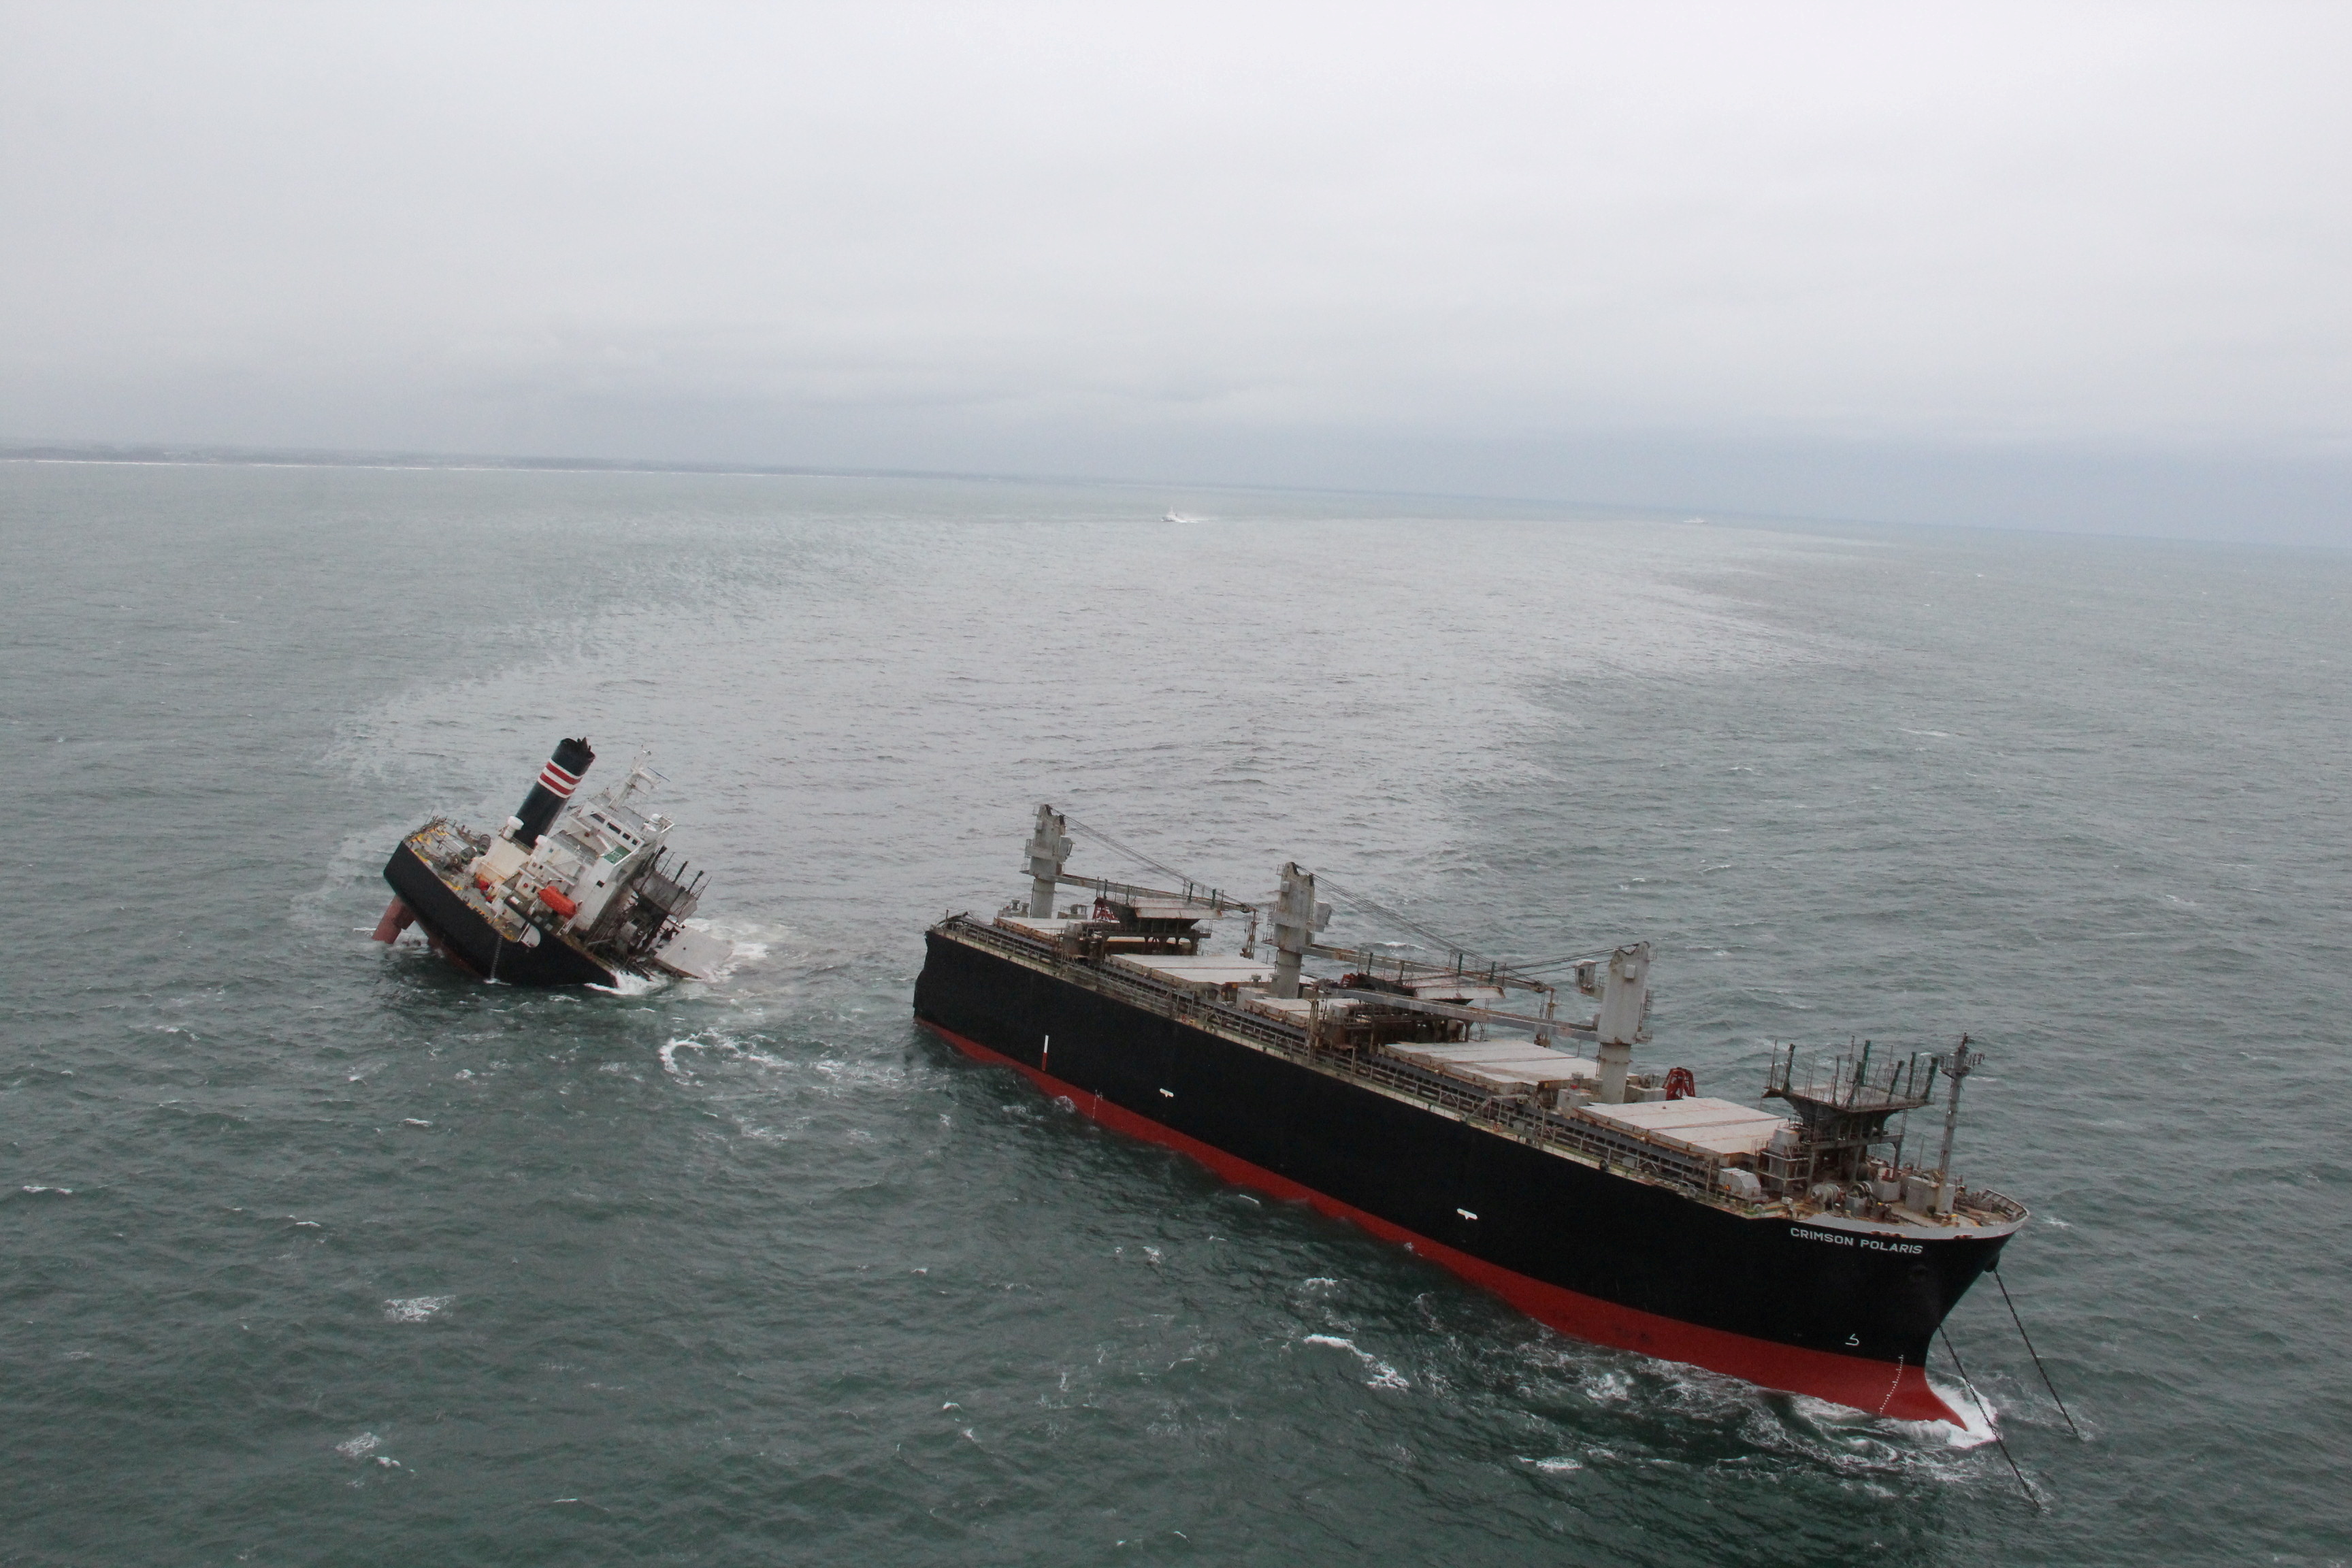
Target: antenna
(641, 778)
(1963, 1061)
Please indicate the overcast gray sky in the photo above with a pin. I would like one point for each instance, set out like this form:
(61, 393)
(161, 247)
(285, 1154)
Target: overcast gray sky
(2073, 266)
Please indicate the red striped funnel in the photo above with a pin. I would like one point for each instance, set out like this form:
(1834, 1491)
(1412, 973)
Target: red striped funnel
(556, 782)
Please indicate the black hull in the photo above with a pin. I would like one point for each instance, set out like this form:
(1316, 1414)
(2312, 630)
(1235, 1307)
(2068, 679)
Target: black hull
(461, 935)
(1605, 1257)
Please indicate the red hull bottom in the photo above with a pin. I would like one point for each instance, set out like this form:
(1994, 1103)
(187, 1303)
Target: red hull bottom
(397, 917)
(1901, 1391)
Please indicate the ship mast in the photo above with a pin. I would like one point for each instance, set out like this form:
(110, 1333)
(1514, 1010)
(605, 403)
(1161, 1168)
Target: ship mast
(1624, 1002)
(1297, 917)
(1049, 847)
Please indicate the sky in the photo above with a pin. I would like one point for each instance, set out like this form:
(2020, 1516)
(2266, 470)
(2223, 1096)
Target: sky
(2058, 266)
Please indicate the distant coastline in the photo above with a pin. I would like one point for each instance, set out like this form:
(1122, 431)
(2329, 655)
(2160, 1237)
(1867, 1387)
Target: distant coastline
(169, 454)
(307, 458)
(1157, 492)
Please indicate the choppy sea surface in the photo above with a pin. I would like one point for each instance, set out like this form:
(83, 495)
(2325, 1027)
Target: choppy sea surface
(315, 1251)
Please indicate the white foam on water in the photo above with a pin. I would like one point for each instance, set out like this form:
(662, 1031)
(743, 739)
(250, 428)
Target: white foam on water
(1608, 1387)
(1556, 1463)
(359, 1447)
(1383, 1374)
(1979, 1422)
(627, 985)
(1848, 1441)
(1874, 1450)
(749, 939)
(415, 1309)
(59, 1192)
(715, 1046)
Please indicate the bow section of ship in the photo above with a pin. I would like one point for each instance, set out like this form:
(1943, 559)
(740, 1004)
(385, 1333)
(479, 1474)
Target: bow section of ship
(1451, 1107)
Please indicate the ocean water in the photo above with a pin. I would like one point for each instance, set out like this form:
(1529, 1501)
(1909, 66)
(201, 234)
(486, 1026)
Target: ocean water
(315, 1251)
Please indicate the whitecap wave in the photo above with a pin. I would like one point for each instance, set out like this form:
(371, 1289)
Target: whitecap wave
(1608, 1387)
(1383, 1374)
(416, 1309)
(714, 1045)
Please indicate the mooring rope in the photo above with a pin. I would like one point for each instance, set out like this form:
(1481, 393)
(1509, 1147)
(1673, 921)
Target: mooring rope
(2031, 1352)
(1985, 1410)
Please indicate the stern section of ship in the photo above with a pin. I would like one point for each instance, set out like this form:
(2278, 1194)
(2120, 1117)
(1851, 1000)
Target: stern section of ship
(464, 935)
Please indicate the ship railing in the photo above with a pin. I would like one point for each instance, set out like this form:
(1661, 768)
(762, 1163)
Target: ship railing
(1167, 1001)
(2001, 1203)
(1535, 1124)
(1619, 1151)
(1848, 1083)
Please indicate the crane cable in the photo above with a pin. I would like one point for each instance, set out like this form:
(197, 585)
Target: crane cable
(1462, 950)
(1371, 906)
(1099, 837)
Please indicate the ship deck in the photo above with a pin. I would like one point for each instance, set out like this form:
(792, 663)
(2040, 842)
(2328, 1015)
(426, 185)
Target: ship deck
(1492, 1084)
(446, 849)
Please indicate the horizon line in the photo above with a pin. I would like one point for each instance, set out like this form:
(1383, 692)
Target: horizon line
(158, 453)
